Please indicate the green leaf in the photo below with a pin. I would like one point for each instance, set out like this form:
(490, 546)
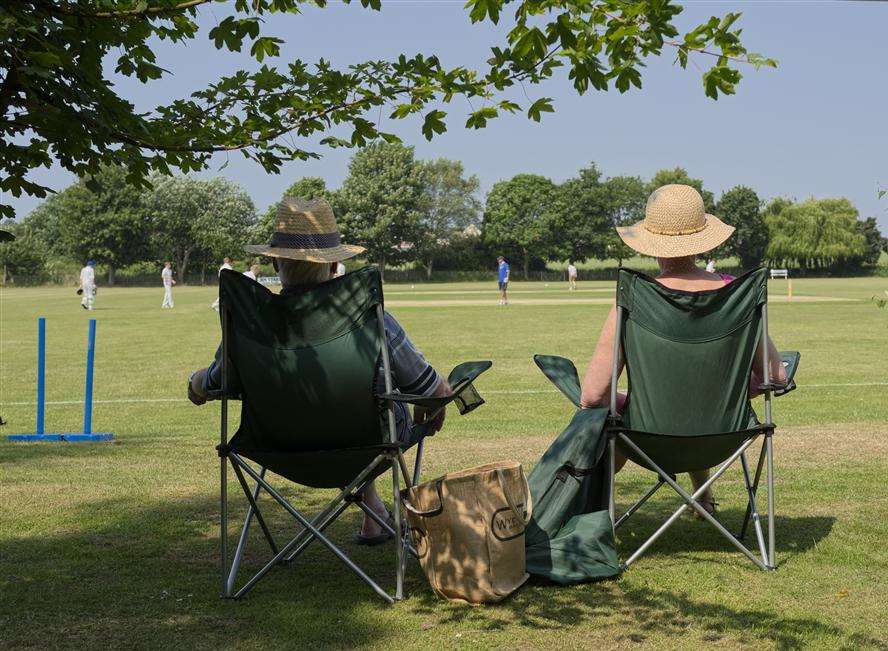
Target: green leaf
(434, 123)
(478, 119)
(542, 105)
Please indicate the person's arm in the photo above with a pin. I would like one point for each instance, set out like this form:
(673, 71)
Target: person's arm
(411, 373)
(777, 372)
(441, 390)
(204, 380)
(596, 387)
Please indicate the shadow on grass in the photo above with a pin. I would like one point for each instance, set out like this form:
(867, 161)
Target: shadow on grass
(21, 452)
(640, 614)
(794, 535)
(120, 573)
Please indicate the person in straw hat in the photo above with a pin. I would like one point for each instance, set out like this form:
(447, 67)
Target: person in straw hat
(675, 229)
(306, 249)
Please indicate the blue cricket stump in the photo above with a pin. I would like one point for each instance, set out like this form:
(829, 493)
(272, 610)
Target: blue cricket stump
(87, 434)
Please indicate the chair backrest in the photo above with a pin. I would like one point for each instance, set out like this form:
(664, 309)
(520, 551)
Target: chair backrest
(306, 363)
(689, 354)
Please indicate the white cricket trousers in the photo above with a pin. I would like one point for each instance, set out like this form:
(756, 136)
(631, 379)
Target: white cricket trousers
(167, 297)
(89, 296)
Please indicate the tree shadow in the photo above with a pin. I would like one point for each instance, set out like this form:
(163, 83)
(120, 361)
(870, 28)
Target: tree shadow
(794, 534)
(150, 573)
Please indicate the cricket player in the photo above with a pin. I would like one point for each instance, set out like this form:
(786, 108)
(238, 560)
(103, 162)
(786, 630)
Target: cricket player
(571, 276)
(503, 278)
(167, 277)
(340, 270)
(226, 264)
(88, 285)
(252, 272)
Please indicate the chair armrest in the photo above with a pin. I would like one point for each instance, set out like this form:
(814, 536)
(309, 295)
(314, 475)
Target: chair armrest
(563, 374)
(790, 360)
(464, 394)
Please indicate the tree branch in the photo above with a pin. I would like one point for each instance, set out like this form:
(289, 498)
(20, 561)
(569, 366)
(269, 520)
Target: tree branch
(69, 10)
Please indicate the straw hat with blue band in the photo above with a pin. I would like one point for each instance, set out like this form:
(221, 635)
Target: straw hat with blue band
(306, 230)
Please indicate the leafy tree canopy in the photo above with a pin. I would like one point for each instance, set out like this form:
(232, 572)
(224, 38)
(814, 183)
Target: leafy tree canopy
(103, 218)
(519, 215)
(450, 208)
(873, 240)
(740, 207)
(198, 220)
(58, 103)
(581, 223)
(681, 176)
(626, 197)
(817, 233)
(381, 202)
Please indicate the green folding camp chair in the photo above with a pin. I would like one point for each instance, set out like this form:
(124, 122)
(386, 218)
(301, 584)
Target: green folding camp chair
(688, 359)
(305, 367)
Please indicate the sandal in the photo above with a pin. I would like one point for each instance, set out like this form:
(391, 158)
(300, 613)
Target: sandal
(380, 538)
(708, 505)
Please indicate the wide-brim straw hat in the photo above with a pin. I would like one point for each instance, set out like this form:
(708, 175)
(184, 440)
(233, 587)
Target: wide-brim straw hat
(306, 230)
(675, 224)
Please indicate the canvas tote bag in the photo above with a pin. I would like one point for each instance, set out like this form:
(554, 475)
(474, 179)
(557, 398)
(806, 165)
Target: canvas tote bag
(468, 530)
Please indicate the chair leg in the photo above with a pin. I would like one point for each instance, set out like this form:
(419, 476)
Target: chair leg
(612, 470)
(691, 501)
(312, 529)
(417, 465)
(772, 561)
(255, 507)
(223, 523)
(755, 485)
(632, 509)
(242, 539)
(751, 508)
(399, 546)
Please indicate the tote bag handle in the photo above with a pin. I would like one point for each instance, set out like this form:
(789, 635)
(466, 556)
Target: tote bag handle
(527, 498)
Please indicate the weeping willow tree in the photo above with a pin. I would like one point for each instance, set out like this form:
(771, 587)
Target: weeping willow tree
(814, 234)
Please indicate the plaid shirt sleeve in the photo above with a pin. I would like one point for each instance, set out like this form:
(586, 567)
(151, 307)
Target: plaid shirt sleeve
(411, 373)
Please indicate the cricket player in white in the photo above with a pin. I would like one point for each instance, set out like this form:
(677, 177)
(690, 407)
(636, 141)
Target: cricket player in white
(340, 270)
(88, 285)
(226, 264)
(167, 276)
(252, 272)
(571, 276)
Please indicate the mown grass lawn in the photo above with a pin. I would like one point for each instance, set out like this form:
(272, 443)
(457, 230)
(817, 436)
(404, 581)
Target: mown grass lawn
(116, 545)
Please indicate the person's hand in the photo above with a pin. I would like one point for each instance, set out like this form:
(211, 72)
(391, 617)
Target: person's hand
(196, 392)
(420, 414)
(174, 282)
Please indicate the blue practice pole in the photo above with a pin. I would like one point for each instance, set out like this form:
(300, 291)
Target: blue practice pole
(41, 375)
(88, 397)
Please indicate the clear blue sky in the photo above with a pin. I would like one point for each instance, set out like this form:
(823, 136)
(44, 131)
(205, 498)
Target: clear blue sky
(816, 126)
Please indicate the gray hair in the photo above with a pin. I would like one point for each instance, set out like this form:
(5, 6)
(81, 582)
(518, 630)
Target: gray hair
(302, 272)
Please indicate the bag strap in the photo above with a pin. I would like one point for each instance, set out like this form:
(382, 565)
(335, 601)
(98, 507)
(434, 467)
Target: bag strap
(431, 512)
(527, 498)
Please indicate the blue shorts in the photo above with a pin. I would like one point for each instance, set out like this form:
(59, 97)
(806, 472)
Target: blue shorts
(503, 284)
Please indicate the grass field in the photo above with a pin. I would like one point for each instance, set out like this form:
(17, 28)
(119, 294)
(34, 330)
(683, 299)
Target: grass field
(115, 545)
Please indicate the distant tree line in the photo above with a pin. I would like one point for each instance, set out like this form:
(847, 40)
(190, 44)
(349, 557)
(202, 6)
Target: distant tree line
(426, 214)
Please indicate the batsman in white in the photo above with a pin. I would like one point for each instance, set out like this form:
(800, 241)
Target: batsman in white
(88, 286)
(167, 276)
(226, 264)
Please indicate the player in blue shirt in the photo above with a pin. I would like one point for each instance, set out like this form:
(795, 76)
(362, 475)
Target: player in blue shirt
(503, 276)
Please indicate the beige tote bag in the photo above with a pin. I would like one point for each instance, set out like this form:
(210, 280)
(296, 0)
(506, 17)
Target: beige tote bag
(468, 530)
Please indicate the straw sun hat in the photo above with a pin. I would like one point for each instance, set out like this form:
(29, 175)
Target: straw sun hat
(306, 230)
(675, 224)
